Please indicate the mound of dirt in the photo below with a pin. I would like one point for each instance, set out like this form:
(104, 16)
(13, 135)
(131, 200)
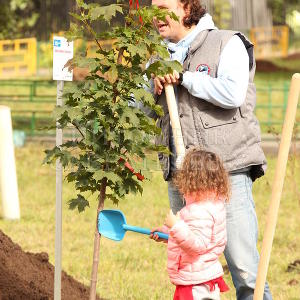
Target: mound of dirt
(293, 56)
(28, 276)
(263, 65)
(268, 66)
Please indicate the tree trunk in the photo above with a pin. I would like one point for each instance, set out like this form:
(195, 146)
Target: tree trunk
(97, 243)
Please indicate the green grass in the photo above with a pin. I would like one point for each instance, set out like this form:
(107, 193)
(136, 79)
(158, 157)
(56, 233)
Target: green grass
(136, 267)
(262, 78)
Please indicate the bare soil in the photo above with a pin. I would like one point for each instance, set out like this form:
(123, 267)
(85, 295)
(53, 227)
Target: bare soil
(267, 66)
(29, 276)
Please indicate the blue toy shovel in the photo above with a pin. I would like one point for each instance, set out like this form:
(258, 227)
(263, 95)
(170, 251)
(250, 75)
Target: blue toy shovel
(112, 224)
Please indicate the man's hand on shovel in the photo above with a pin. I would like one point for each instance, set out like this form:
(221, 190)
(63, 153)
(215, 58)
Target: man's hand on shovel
(160, 81)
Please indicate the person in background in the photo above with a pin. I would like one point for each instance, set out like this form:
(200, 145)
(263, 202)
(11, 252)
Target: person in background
(216, 98)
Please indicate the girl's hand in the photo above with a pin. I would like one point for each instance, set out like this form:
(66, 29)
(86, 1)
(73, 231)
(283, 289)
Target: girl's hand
(160, 81)
(155, 237)
(171, 219)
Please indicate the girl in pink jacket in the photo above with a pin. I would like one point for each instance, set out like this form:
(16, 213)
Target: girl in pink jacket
(197, 234)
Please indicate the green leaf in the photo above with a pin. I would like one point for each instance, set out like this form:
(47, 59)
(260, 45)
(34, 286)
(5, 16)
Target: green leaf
(96, 126)
(129, 116)
(143, 96)
(81, 4)
(161, 68)
(78, 17)
(80, 203)
(58, 111)
(104, 12)
(74, 113)
(113, 198)
(139, 49)
(112, 74)
(51, 155)
(75, 32)
(111, 176)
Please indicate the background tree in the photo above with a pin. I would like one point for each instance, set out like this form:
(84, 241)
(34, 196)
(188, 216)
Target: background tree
(17, 18)
(280, 8)
(41, 18)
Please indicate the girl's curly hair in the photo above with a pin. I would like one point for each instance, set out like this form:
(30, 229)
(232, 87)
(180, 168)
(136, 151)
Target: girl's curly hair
(202, 172)
(195, 11)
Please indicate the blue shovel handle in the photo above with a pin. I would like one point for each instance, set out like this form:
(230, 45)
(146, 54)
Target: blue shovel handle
(145, 231)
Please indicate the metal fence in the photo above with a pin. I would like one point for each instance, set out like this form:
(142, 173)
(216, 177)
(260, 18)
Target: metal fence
(272, 99)
(32, 103)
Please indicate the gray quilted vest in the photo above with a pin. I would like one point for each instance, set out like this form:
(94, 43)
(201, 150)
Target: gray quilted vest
(233, 134)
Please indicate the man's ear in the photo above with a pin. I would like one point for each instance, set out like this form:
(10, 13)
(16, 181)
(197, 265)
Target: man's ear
(187, 11)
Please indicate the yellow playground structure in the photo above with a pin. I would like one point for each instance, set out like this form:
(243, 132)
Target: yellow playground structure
(18, 58)
(270, 41)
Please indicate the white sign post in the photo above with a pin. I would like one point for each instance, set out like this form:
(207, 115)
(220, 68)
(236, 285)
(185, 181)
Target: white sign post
(62, 52)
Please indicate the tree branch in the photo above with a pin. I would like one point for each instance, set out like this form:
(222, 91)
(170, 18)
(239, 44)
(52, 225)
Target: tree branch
(120, 55)
(78, 129)
(91, 31)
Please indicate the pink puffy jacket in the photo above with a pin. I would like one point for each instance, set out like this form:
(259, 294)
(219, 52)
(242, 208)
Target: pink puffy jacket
(196, 242)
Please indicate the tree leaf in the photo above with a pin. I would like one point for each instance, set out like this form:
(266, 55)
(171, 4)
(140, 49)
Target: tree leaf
(80, 203)
(111, 176)
(104, 12)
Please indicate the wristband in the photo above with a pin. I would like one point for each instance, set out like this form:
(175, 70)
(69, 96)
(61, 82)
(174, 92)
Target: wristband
(180, 79)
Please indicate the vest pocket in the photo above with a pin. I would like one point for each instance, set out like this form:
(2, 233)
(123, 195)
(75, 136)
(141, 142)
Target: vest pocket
(243, 110)
(219, 117)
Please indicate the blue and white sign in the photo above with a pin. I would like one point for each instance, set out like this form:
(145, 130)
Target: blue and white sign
(62, 53)
(56, 43)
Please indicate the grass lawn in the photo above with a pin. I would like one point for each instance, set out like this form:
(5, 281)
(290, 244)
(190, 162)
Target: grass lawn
(136, 267)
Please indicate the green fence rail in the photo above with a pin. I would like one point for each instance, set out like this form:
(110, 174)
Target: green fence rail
(32, 103)
(271, 106)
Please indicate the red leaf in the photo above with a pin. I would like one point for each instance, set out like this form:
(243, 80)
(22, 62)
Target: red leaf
(127, 165)
(139, 176)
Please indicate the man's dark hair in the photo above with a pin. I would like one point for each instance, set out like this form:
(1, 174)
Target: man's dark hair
(195, 12)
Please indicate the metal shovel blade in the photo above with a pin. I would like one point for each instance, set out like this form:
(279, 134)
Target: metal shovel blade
(110, 224)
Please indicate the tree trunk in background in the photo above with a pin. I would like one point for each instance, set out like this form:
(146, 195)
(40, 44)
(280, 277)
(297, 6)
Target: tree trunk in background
(53, 24)
(245, 13)
(283, 13)
(54, 17)
(261, 14)
(42, 23)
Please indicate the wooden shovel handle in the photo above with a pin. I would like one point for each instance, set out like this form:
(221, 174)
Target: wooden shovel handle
(175, 123)
(285, 143)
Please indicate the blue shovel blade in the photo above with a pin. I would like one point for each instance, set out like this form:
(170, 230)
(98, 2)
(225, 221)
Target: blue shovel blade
(110, 224)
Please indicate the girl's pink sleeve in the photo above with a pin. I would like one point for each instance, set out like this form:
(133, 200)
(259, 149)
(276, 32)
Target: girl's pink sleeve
(196, 238)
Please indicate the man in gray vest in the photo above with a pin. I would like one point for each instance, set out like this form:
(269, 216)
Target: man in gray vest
(216, 99)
